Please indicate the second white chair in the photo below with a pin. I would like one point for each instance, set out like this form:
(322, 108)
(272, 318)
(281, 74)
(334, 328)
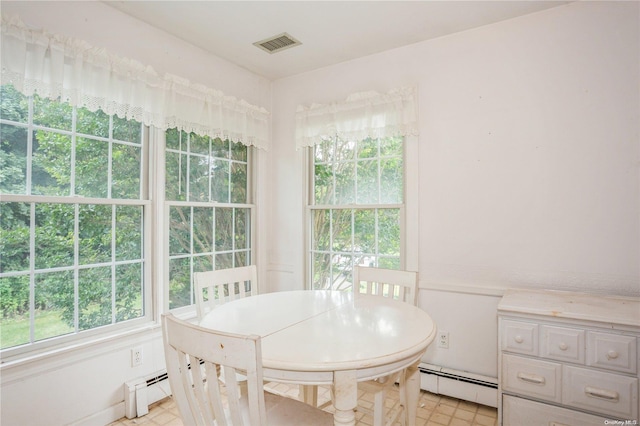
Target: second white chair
(223, 285)
(394, 284)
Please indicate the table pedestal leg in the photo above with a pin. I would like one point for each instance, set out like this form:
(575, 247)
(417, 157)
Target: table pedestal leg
(345, 388)
(411, 394)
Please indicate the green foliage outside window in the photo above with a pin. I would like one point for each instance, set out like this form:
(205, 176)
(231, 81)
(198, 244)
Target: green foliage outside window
(67, 266)
(355, 214)
(209, 220)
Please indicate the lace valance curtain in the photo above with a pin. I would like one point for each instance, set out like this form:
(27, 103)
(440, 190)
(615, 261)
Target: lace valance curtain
(53, 66)
(361, 115)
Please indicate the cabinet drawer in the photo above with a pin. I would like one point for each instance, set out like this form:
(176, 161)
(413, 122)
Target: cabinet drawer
(606, 393)
(539, 379)
(520, 337)
(522, 412)
(612, 351)
(563, 344)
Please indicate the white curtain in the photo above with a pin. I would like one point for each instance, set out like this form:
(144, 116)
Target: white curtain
(53, 66)
(361, 115)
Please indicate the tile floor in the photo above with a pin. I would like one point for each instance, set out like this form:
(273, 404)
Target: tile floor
(433, 410)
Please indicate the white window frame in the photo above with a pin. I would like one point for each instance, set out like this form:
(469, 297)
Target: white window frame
(147, 187)
(409, 209)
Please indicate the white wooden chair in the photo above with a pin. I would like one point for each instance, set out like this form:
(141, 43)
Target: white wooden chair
(395, 284)
(223, 285)
(194, 355)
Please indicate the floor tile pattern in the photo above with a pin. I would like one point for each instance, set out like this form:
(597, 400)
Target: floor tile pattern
(433, 410)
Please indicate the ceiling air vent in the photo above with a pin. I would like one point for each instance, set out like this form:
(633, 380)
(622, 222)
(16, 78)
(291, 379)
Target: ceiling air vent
(277, 43)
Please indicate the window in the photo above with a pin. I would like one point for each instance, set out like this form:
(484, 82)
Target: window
(207, 192)
(75, 228)
(73, 220)
(356, 208)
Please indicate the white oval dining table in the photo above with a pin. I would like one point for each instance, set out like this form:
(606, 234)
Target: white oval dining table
(313, 337)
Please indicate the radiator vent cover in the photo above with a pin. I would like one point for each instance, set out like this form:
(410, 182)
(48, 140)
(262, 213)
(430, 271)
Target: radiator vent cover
(277, 43)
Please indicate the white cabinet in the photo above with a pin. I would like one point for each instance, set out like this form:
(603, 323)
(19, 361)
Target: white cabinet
(568, 359)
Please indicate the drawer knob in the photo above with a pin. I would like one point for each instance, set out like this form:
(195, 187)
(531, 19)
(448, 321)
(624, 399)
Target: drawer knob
(612, 354)
(563, 346)
(609, 395)
(518, 339)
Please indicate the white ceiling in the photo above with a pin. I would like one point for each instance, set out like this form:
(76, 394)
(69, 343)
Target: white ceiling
(330, 31)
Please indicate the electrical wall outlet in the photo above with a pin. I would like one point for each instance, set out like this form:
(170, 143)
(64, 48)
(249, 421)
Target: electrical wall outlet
(443, 339)
(136, 356)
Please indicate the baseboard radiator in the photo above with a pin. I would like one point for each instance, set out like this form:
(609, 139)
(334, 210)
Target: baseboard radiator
(140, 393)
(459, 384)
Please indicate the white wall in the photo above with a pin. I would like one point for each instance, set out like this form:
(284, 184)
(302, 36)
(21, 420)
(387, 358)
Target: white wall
(529, 163)
(85, 384)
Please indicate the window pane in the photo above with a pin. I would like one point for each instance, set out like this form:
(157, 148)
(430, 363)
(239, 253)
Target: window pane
(14, 305)
(364, 238)
(241, 232)
(323, 187)
(52, 113)
(54, 313)
(368, 148)
(94, 237)
(220, 148)
(202, 263)
(321, 230)
(129, 232)
(92, 167)
(239, 183)
(239, 152)
(391, 181)
(172, 139)
(391, 147)
(94, 297)
(202, 230)
(179, 283)
(51, 164)
(220, 181)
(127, 130)
(224, 261)
(13, 159)
(389, 231)
(368, 183)
(341, 230)
(129, 292)
(14, 237)
(344, 150)
(92, 123)
(198, 178)
(242, 258)
(54, 235)
(224, 229)
(126, 167)
(321, 264)
(180, 230)
(175, 176)
(345, 176)
(199, 144)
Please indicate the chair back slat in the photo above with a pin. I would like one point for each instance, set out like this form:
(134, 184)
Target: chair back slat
(395, 284)
(194, 355)
(223, 285)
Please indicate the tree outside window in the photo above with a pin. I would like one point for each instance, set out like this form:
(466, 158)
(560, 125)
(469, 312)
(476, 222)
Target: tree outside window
(356, 208)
